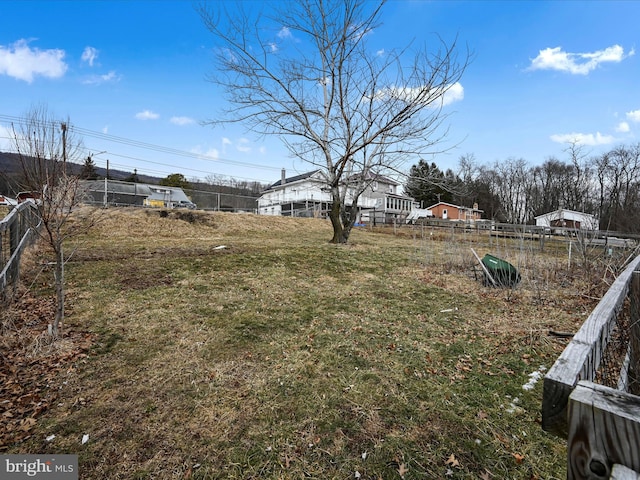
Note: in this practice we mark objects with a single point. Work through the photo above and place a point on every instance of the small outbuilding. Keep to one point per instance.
(448, 211)
(563, 218)
(418, 213)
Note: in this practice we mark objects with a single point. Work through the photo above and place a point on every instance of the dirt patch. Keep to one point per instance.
(134, 278)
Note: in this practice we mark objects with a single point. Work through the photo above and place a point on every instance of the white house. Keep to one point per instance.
(564, 218)
(308, 195)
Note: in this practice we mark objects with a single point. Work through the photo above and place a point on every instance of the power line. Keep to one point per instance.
(145, 146)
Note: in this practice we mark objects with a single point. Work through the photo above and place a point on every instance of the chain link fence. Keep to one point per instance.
(122, 194)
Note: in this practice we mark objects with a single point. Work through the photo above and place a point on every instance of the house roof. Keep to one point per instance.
(375, 177)
(294, 179)
(304, 176)
(562, 211)
(459, 207)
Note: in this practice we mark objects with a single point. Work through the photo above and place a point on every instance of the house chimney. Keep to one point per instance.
(475, 206)
(283, 178)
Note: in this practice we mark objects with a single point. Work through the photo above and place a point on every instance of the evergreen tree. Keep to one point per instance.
(133, 178)
(428, 185)
(89, 170)
(175, 180)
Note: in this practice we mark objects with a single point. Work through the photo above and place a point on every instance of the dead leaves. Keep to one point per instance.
(27, 374)
(518, 458)
(453, 461)
(486, 475)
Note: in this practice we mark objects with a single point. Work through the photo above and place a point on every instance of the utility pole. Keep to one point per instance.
(106, 184)
(63, 126)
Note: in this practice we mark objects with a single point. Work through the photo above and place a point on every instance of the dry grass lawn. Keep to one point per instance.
(240, 346)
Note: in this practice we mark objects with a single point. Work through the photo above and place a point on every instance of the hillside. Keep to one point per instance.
(10, 167)
(238, 194)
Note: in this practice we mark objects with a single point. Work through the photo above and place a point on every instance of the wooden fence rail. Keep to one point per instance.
(601, 424)
(17, 230)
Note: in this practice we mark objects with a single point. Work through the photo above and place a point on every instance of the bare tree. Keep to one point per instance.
(617, 173)
(577, 191)
(45, 146)
(307, 74)
(511, 188)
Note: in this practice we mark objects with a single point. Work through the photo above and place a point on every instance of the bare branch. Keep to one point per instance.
(306, 73)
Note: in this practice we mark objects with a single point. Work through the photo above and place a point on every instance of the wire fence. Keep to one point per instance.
(588, 261)
(119, 193)
(17, 230)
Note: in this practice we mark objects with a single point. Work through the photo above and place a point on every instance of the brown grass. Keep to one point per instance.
(282, 356)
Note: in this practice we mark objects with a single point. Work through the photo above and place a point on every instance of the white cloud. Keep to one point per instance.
(147, 115)
(577, 63)
(182, 121)
(212, 153)
(243, 145)
(225, 143)
(380, 52)
(452, 93)
(105, 129)
(634, 116)
(21, 61)
(359, 32)
(89, 55)
(583, 138)
(100, 79)
(622, 127)
(284, 33)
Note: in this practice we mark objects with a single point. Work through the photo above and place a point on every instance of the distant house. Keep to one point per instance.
(115, 192)
(564, 218)
(449, 211)
(308, 195)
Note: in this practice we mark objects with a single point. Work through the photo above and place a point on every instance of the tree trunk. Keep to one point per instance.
(59, 287)
(336, 223)
(342, 221)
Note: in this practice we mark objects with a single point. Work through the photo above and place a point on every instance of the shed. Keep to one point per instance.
(418, 213)
(563, 218)
(449, 211)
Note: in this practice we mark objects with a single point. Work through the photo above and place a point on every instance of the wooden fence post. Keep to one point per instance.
(604, 429)
(581, 359)
(633, 376)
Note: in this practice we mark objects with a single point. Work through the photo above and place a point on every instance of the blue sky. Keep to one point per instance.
(131, 73)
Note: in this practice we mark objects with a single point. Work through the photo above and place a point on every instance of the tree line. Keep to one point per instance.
(513, 191)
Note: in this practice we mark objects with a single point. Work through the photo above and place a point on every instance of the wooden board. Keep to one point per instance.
(581, 359)
(604, 429)
(620, 472)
